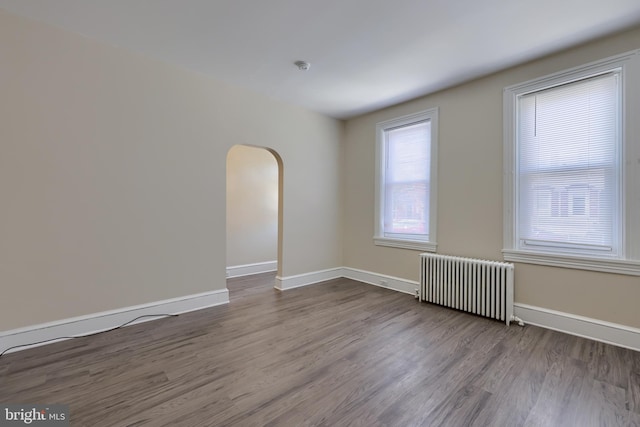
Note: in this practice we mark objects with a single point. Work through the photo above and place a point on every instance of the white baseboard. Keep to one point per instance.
(290, 282)
(598, 330)
(96, 322)
(611, 333)
(249, 269)
(381, 280)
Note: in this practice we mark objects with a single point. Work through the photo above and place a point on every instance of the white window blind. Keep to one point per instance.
(406, 181)
(568, 170)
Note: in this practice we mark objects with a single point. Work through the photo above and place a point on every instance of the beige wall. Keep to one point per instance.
(252, 206)
(112, 176)
(470, 192)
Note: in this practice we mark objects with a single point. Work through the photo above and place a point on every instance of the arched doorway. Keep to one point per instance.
(254, 211)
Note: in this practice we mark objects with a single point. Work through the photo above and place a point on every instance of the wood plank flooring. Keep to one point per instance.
(340, 353)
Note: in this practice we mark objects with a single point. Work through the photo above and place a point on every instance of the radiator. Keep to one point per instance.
(476, 286)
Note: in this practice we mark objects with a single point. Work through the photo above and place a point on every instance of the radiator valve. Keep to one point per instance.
(518, 320)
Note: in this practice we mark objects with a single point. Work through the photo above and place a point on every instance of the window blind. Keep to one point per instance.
(407, 172)
(568, 169)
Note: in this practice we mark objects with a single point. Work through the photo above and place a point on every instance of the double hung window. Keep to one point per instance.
(405, 181)
(570, 194)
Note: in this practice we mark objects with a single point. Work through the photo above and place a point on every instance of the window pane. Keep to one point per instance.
(408, 207)
(407, 171)
(568, 175)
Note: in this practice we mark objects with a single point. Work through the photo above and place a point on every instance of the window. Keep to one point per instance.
(571, 196)
(405, 181)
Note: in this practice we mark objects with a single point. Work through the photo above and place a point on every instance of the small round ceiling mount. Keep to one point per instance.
(302, 65)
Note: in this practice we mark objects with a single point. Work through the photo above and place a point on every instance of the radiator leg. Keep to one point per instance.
(515, 318)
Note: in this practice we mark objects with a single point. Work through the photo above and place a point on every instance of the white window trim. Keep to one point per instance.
(629, 261)
(379, 238)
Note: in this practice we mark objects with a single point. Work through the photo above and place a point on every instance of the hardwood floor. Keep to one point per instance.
(341, 353)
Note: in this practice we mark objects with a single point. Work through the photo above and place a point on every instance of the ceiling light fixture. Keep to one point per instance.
(302, 65)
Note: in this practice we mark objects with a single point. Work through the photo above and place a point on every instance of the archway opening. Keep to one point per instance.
(254, 211)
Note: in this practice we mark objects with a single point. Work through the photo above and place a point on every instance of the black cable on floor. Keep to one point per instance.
(89, 335)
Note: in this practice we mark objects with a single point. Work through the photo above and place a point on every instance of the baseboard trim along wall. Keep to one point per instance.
(96, 322)
(290, 282)
(586, 327)
(381, 280)
(249, 269)
(598, 330)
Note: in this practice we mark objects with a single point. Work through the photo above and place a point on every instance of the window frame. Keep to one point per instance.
(398, 241)
(627, 261)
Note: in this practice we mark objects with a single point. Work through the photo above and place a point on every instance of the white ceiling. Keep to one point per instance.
(365, 54)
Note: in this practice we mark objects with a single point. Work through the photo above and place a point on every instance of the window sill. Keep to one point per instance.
(416, 245)
(627, 267)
